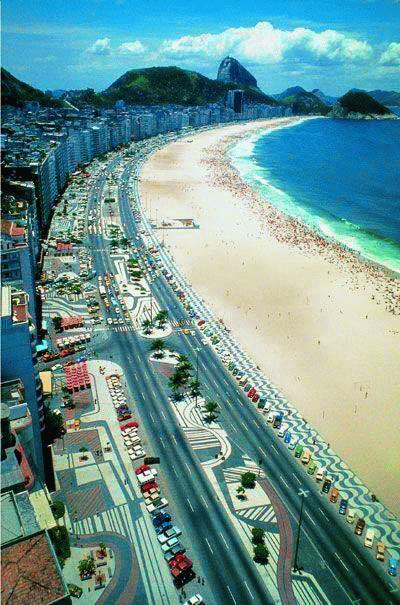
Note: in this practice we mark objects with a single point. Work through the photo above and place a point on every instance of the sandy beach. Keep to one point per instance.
(321, 324)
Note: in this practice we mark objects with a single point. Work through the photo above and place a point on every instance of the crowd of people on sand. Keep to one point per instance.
(385, 289)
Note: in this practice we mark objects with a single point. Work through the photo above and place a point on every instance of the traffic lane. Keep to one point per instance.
(180, 456)
(283, 465)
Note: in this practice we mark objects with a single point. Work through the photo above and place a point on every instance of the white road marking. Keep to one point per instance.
(252, 598)
(222, 536)
(204, 501)
(188, 468)
(230, 592)
(163, 414)
(311, 519)
(209, 546)
(339, 559)
(283, 480)
(295, 477)
(190, 505)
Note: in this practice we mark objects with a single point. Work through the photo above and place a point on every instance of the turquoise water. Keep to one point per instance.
(341, 178)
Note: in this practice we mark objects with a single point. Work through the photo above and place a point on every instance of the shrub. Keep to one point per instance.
(248, 479)
(60, 539)
(58, 509)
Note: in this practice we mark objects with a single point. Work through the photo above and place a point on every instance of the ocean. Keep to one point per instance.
(341, 178)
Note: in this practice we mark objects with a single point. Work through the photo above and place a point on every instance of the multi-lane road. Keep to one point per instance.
(326, 543)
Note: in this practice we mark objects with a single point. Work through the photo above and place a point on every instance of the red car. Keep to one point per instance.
(148, 486)
(132, 424)
(178, 559)
(141, 469)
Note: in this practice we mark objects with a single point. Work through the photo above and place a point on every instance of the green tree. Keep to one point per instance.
(258, 535)
(57, 323)
(161, 318)
(195, 388)
(158, 346)
(261, 554)
(241, 492)
(60, 540)
(147, 326)
(54, 425)
(58, 509)
(248, 479)
(87, 565)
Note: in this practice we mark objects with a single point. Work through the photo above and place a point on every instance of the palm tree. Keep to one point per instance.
(161, 318)
(147, 325)
(158, 346)
(195, 388)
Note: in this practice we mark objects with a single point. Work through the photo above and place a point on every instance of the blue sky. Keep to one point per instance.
(333, 45)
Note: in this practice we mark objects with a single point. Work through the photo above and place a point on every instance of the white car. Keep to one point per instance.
(109, 321)
(196, 599)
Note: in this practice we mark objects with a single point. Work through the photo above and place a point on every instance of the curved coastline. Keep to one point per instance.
(378, 250)
(293, 301)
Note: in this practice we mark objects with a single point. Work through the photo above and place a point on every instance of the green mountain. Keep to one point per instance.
(358, 103)
(301, 101)
(15, 92)
(172, 85)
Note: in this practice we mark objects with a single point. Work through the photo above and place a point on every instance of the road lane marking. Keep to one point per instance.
(162, 441)
(209, 546)
(190, 505)
(311, 519)
(262, 451)
(339, 559)
(175, 471)
(322, 513)
(151, 416)
(163, 414)
(274, 448)
(205, 503)
(230, 592)
(360, 562)
(244, 425)
(283, 480)
(295, 477)
(222, 536)
(252, 598)
(188, 468)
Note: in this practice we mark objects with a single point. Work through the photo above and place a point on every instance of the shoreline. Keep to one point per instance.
(295, 303)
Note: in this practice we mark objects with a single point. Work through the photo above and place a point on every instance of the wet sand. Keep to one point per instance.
(323, 325)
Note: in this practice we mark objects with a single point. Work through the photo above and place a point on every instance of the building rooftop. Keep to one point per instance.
(30, 573)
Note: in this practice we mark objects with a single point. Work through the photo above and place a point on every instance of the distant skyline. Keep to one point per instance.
(329, 45)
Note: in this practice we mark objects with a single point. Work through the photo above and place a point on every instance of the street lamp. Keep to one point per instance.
(197, 371)
(303, 493)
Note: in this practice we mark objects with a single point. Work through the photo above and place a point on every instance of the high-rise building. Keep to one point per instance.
(235, 100)
(18, 360)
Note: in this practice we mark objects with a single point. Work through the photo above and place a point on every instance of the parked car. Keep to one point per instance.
(334, 495)
(161, 518)
(163, 527)
(196, 599)
(351, 516)
(170, 544)
(359, 527)
(393, 563)
(343, 506)
(380, 551)
(312, 467)
(369, 538)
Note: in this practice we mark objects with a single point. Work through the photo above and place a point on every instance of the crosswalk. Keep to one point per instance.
(201, 439)
(263, 513)
(124, 328)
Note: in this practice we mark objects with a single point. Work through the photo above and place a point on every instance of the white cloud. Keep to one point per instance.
(101, 47)
(265, 44)
(391, 56)
(128, 48)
